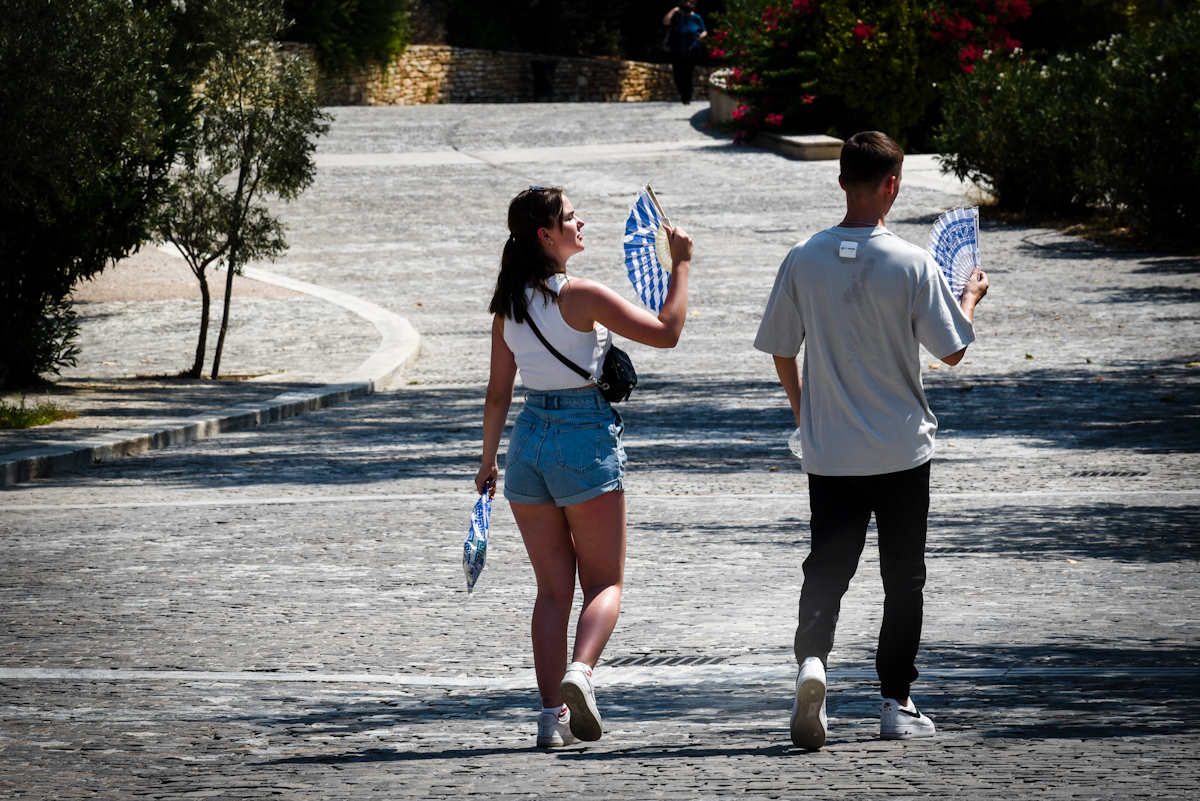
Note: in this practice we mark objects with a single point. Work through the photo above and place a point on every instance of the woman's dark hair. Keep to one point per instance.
(525, 261)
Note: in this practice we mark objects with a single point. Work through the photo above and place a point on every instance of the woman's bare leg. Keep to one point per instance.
(548, 540)
(598, 529)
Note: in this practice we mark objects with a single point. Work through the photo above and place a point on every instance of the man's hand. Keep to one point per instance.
(973, 292)
(976, 288)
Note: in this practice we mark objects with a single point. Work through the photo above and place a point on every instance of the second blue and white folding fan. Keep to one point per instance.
(954, 245)
(648, 250)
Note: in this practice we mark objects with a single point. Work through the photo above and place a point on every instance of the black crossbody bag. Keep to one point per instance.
(618, 378)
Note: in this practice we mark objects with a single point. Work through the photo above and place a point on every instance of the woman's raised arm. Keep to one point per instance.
(584, 303)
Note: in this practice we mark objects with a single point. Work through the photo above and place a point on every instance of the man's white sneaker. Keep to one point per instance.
(809, 725)
(554, 731)
(903, 722)
(580, 698)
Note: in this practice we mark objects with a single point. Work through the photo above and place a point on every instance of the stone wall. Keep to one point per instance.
(427, 74)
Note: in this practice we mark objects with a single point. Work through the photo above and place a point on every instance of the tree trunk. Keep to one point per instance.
(205, 306)
(241, 202)
(231, 267)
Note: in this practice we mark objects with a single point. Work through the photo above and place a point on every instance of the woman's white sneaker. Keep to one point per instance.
(809, 724)
(903, 722)
(554, 731)
(580, 698)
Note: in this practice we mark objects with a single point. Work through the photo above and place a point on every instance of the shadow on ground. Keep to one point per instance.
(708, 428)
(1115, 532)
(1055, 703)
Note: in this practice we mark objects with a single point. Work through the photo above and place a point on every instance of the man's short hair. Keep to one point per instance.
(868, 158)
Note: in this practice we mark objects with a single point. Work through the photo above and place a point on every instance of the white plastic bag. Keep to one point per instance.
(475, 547)
(794, 444)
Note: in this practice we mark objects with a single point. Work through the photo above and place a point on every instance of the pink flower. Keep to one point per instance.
(968, 68)
(717, 53)
(949, 27)
(1003, 42)
(1013, 10)
(740, 112)
(808, 99)
(970, 53)
(803, 6)
(863, 32)
(770, 19)
(774, 119)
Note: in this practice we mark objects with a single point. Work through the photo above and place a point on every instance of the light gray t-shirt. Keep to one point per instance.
(863, 410)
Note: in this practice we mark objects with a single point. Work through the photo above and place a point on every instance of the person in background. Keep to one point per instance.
(564, 476)
(860, 301)
(686, 29)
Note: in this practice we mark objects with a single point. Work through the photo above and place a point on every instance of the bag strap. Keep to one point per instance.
(557, 355)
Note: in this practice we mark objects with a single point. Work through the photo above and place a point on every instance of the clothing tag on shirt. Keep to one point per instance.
(848, 250)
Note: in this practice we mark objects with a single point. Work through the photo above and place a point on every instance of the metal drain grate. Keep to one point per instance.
(1108, 473)
(663, 661)
(952, 549)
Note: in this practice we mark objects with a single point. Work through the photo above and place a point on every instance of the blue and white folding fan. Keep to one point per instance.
(648, 251)
(954, 245)
(475, 546)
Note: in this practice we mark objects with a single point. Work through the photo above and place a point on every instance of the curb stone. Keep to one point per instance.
(399, 346)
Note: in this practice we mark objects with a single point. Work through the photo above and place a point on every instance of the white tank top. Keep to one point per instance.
(539, 369)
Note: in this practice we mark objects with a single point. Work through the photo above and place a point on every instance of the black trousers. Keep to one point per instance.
(841, 511)
(683, 68)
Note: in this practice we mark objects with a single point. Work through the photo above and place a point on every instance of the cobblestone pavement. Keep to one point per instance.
(1060, 650)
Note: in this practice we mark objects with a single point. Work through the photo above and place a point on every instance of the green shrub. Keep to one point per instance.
(810, 65)
(91, 110)
(1024, 131)
(1116, 127)
(350, 33)
(629, 29)
(1148, 131)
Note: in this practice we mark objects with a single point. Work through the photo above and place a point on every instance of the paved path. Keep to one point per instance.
(158, 608)
(138, 326)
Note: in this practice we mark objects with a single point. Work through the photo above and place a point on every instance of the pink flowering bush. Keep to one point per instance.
(847, 65)
(1114, 127)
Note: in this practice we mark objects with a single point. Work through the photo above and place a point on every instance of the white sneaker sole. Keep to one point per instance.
(808, 731)
(907, 735)
(585, 718)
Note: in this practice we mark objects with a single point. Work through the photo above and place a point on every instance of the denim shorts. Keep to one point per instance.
(565, 448)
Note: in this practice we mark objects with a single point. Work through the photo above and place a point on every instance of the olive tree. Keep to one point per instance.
(92, 111)
(254, 140)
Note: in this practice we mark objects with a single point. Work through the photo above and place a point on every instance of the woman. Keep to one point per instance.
(564, 476)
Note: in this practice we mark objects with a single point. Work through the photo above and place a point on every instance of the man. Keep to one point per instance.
(685, 31)
(861, 300)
